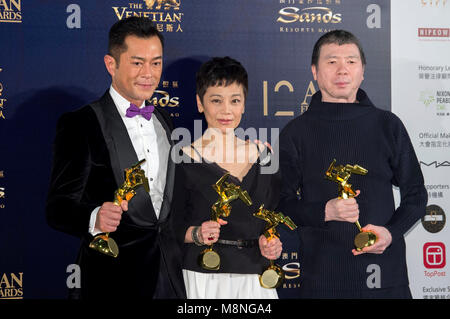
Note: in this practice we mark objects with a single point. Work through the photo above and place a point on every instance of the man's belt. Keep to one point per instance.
(240, 243)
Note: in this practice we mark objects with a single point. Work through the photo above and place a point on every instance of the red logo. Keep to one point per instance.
(434, 32)
(434, 255)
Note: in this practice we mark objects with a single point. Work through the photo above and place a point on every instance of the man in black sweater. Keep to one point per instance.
(343, 124)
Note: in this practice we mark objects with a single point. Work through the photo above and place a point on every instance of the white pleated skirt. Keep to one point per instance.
(225, 286)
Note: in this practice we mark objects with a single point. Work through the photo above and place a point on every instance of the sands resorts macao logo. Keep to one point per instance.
(164, 97)
(165, 14)
(11, 285)
(11, 11)
(308, 15)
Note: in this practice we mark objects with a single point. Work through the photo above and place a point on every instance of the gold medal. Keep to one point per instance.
(272, 277)
(209, 259)
(364, 238)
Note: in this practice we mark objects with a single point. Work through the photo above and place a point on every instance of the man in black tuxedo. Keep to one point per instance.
(93, 147)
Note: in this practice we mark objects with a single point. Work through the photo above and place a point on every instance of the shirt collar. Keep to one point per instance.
(121, 103)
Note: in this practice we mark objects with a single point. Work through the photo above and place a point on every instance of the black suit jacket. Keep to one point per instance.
(91, 151)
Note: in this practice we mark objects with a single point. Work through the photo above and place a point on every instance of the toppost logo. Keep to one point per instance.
(11, 286)
(164, 13)
(434, 220)
(434, 255)
(11, 11)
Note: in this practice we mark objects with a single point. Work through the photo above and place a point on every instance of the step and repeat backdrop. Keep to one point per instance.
(420, 70)
(51, 62)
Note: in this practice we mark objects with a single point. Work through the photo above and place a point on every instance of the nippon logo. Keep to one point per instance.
(434, 255)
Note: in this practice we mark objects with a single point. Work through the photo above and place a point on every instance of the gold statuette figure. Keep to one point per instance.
(273, 276)
(134, 177)
(209, 258)
(341, 174)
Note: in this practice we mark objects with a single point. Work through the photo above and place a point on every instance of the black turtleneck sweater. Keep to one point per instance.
(352, 133)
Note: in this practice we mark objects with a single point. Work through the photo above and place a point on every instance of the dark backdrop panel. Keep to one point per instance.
(51, 62)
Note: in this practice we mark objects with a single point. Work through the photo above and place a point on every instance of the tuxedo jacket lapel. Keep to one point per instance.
(122, 155)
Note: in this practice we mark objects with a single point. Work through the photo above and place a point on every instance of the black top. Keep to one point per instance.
(352, 133)
(194, 196)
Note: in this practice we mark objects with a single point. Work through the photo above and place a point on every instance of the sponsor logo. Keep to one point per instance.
(291, 269)
(436, 164)
(434, 255)
(165, 14)
(308, 16)
(434, 32)
(438, 101)
(164, 97)
(433, 3)
(434, 220)
(11, 11)
(11, 286)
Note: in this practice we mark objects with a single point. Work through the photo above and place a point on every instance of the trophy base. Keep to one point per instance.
(209, 259)
(272, 277)
(105, 245)
(364, 239)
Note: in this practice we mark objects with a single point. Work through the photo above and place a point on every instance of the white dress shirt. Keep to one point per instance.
(150, 142)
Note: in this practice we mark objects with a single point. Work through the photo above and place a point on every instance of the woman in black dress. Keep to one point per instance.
(244, 251)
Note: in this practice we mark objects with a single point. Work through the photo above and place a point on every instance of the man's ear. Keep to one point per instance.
(110, 64)
(199, 104)
(314, 72)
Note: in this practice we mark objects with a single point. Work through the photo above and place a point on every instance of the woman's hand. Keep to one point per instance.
(209, 231)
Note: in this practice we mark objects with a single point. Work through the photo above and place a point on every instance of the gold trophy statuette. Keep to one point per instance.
(209, 259)
(340, 174)
(273, 276)
(134, 177)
